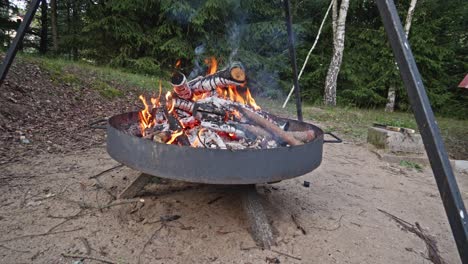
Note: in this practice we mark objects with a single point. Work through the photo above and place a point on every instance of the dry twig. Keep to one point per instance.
(106, 171)
(298, 224)
(40, 234)
(285, 254)
(15, 250)
(149, 241)
(86, 244)
(431, 243)
(88, 257)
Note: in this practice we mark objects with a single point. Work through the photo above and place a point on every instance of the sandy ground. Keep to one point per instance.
(50, 209)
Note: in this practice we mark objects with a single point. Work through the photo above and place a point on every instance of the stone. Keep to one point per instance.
(396, 142)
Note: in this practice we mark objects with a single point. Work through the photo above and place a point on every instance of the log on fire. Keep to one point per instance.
(269, 126)
(232, 75)
(180, 85)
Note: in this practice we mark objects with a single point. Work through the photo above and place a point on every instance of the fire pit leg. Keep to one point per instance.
(260, 228)
(135, 186)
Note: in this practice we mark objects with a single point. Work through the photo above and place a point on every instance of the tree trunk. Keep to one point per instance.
(69, 26)
(53, 18)
(338, 47)
(43, 42)
(409, 16)
(334, 20)
(390, 106)
(75, 22)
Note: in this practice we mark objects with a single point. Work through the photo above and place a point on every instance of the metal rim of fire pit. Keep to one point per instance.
(212, 166)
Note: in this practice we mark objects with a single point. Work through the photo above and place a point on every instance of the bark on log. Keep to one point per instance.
(303, 136)
(185, 105)
(269, 126)
(174, 124)
(255, 130)
(226, 128)
(233, 75)
(180, 86)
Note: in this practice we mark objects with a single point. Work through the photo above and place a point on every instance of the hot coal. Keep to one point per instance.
(214, 111)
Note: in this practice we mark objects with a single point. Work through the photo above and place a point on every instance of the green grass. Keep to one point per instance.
(411, 165)
(81, 72)
(106, 90)
(352, 123)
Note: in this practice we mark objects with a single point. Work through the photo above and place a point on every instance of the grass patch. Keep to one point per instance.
(106, 90)
(66, 71)
(411, 165)
(352, 123)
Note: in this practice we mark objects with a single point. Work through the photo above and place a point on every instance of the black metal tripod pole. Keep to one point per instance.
(292, 55)
(433, 143)
(11, 53)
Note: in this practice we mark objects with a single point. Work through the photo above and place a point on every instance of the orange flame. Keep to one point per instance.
(232, 94)
(178, 63)
(174, 136)
(146, 120)
(251, 100)
(213, 65)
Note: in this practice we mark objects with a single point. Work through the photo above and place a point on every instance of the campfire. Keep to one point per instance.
(213, 111)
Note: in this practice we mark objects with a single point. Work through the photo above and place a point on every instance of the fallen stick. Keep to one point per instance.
(431, 243)
(285, 254)
(86, 244)
(41, 234)
(298, 225)
(105, 171)
(269, 126)
(87, 257)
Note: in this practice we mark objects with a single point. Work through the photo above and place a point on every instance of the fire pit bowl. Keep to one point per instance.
(212, 166)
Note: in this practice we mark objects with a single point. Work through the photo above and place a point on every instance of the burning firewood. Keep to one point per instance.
(226, 128)
(269, 126)
(214, 111)
(180, 85)
(232, 75)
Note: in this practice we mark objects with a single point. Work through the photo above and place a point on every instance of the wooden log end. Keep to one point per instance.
(238, 74)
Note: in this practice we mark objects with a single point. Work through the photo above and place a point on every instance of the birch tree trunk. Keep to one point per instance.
(53, 18)
(338, 47)
(390, 106)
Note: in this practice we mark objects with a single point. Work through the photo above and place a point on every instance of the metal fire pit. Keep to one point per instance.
(212, 166)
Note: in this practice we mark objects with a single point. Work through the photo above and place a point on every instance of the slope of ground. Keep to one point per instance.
(46, 107)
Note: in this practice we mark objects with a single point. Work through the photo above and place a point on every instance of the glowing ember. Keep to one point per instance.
(178, 63)
(175, 136)
(197, 112)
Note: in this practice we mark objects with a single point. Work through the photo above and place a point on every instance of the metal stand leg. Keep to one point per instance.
(11, 53)
(292, 55)
(259, 226)
(135, 186)
(430, 133)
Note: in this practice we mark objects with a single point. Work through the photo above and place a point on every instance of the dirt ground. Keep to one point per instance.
(51, 210)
